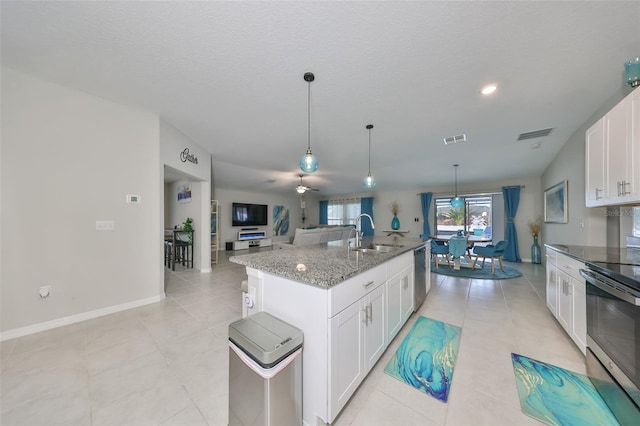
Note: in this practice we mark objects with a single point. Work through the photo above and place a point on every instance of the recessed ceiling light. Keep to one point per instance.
(489, 89)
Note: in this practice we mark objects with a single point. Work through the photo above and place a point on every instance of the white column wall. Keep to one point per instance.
(68, 160)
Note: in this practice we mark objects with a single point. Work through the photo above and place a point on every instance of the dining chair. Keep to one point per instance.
(439, 248)
(492, 252)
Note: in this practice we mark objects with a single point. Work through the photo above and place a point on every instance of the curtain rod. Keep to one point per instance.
(487, 192)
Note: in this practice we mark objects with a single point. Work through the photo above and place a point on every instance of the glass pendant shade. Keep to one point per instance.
(632, 72)
(369, 181)
(457, 202)
(308, 162)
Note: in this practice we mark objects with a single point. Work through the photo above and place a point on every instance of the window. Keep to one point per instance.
(343, 212)
(474, 217)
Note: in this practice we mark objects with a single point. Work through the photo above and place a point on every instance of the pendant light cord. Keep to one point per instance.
(309, 117)
(369, 151)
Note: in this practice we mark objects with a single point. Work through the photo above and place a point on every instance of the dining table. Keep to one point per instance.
(460, 248)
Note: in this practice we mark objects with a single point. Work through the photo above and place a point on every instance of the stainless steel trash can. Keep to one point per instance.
(265, 372)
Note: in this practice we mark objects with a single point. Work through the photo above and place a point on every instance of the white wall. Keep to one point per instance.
(173, 147)
(586, 226)
(530, 207)
(228, 196)
(68, 160)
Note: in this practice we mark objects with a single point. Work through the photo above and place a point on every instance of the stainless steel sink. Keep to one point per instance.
(375, 248)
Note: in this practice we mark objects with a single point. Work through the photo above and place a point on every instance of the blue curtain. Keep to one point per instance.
(511, 196)
(324, 206)
(425, 200)
(366, 206)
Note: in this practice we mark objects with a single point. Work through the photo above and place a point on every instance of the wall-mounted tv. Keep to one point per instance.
(243, 214)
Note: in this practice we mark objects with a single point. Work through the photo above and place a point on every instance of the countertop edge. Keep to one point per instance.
(328, 264)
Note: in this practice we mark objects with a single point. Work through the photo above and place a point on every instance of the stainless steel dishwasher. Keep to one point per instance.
(419, 276)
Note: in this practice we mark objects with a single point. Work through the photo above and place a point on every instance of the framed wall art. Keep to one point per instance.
(555, 203)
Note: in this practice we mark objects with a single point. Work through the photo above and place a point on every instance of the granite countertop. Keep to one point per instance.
(599, 254)
(325, 265)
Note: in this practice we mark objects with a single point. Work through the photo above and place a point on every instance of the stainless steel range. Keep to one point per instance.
(613, 331)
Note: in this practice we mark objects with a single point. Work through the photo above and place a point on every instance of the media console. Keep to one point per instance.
(251, 238)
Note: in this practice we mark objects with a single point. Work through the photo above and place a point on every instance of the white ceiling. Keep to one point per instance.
(229, 75)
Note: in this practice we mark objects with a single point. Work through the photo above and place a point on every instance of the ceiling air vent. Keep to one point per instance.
(455, 139)
(535, 134)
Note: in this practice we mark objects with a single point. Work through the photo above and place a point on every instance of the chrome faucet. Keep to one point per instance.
(358, 234)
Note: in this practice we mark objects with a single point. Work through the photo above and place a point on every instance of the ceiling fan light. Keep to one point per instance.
(301, 189)
(369, 181)
(308, 162)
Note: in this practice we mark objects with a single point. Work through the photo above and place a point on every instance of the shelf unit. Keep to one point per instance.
(215, 230)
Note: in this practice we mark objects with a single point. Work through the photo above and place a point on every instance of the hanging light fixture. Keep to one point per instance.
(309, 162)
(457, 201)
(632, 72)
(369, 181)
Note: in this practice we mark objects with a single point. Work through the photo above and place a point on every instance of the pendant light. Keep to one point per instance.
(309, 162)
(457, 201)
(369, 181)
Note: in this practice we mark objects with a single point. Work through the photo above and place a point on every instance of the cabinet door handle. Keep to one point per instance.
(618, 187)
(365, 285)
(370, 312)
(624, 187)
(365, 320)
(597, 191)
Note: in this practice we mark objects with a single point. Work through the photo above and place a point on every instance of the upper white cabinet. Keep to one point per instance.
(596, 165)
(612, 155)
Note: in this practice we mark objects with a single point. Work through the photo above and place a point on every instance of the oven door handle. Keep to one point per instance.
(590, 277)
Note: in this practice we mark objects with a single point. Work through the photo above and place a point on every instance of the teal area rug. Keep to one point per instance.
(556, 396)
(478, 274)
(426, 357)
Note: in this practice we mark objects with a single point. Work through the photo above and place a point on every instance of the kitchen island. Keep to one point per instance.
(349, 304)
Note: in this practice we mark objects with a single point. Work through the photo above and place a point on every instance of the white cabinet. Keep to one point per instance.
(345, 327)
(347, 355)
(552, 288)
(357, 341)
(596, 165)
(566, 295)
(612, 156)
(579, 307)
(246, 244)
(399, 301)
(564, 313)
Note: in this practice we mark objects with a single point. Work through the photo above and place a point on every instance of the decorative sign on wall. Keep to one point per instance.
(280, 220)
(184, 193)
(186, 156)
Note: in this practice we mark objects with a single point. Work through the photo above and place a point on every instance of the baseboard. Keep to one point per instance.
(48, 325)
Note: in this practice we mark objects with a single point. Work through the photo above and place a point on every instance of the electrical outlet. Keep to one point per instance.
(44, 291)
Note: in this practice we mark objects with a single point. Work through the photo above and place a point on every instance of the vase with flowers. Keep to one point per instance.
(535, 226)
(395, 222)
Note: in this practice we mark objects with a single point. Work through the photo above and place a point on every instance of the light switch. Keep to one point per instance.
(133, 199)
(105, 225)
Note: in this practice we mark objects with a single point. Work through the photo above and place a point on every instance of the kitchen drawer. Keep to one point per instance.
(396, 265)
(350, 291)
(570, 265)
(551, 255)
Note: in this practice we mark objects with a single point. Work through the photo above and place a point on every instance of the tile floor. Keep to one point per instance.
(166, 363)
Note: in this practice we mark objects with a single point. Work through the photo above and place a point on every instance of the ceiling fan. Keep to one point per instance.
(301, 189)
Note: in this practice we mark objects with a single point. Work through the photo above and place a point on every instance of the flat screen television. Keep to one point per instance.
(243, 214)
